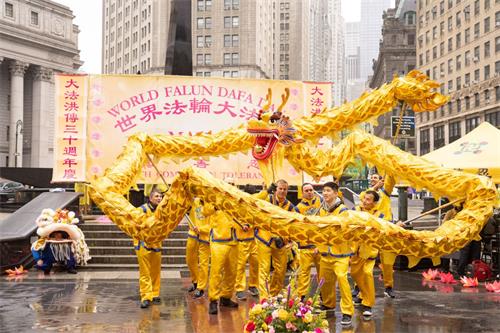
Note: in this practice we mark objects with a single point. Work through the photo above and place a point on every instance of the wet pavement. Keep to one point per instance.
(108, 302)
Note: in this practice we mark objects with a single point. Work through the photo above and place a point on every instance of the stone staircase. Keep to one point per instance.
(111, 248)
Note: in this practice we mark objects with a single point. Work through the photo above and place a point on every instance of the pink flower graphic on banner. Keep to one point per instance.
(97, 87)
(96, 153)
(97, 102)
(294, 106)
(96, 119)
(294, 91)
(95, 169)
(96, 136)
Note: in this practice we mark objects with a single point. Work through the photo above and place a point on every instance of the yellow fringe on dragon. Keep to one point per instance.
(274, 133)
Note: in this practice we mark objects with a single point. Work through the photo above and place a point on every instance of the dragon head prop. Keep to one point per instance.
(271, 129)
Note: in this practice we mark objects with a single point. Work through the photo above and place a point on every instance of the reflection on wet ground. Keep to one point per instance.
(37, 303)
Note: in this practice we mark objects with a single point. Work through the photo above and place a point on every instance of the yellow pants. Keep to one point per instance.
(247, 251)
(279, 258)
(387, 271)
(307, 259)
(334, 270)
(197, 258)
(149, 273)
(224, 258)
(362, 274)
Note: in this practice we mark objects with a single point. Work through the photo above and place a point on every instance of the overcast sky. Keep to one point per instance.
(89, 19)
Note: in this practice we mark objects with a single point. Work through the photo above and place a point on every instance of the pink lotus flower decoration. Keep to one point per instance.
(431, 274)
(468, 282)
(447, 278)
(493, 287)
(17, 271)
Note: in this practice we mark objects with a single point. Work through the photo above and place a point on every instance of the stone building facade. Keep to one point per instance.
(37, 40)
(458, 45)
(397, 56)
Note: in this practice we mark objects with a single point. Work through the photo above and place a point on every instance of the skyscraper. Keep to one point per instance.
(326, 57)
(370, 33)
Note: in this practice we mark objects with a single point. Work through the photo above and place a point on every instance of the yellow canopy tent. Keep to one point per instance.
(477, 152)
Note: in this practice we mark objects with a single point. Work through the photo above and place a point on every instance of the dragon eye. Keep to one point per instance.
(272, 120)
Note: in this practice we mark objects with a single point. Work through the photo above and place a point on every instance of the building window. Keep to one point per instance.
(497, 44)
(486, 72)
(458, 40)
(497, 19)
(450, 44)
(226, 74)
(236, 40)
(476, 76)
(227, 58)
(199, 41)
(227, 40)
(424, 142)
(454, 131)
(459, 105)
(208, 23)
(476, 54)
(487, 95)
(476, 7)
(477, 30)
(467, 79)
(199, 59)
(458, 21)
(208, 59)
(208, 41)
(467, 102)
(493, 118)
(497, 93)
(199, 73)
(438, 136)
(34, 18)
(235, 74)
(487, 49)
(486, 25)
(467, 58)
(458, 62)
(467, 36)
(9, 9)
(207, 74)
(467, 13)
(471, 123)
(459, 83)
(227, 21)
(201, 7)
(236, 21)
(235, 58)
(208, 4)
(236, 4)
(497, 67)
(476, 100)
(227, 4)
(200, 23)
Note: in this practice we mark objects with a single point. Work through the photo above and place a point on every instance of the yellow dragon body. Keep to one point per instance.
(267, 137)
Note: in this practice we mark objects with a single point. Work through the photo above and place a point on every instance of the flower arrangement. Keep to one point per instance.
(447, 278)
(493, 287)
(288, 314)
(431, 274)
(468, 282)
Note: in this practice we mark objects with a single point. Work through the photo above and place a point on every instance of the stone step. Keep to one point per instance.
(128, 250)
(118, 234)
(92, 266)
(132, 259)
(92, 226)
(127, 242)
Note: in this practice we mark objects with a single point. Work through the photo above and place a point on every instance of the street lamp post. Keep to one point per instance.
(19, 130)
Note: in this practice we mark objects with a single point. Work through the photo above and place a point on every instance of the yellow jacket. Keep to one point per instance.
(199, 220)
(363, 250)
(339, 249)
(309, 207)
(222, 226)
(155, 247)
(245, 236)
(263, 235)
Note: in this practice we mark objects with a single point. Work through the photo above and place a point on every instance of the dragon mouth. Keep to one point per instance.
(265, 142)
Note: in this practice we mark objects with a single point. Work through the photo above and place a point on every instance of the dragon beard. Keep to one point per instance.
(61, 251)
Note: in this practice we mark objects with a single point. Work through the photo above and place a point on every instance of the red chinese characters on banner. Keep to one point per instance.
(317, 101)
(71, 132)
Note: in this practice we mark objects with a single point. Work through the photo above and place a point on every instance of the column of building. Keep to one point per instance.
(17, 71)
(42, 80)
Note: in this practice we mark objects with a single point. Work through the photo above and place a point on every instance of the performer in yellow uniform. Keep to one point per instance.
(384, 189)
(335, 260)
(224, 256)
(273, 247)
(149, 259)
(247, 251)
(308, 253)
(198, 249)
(363, 261)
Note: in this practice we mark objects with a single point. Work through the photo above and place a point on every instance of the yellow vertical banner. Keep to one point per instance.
(70, 128)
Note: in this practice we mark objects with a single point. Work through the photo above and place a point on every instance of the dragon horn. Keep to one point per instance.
(269, 99)
(284, 98)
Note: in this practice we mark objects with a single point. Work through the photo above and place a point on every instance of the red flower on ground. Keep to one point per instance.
(268, 319)
(262, 301)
